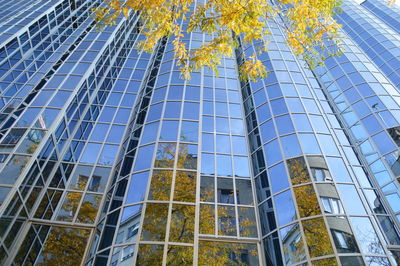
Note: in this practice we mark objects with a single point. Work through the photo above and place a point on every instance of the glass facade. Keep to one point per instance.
(109, 157)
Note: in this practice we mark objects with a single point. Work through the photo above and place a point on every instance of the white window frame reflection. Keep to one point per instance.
(332, 205)
(321, 174)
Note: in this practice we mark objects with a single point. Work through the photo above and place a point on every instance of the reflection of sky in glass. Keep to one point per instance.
(285, 208)
(91, 152)
(137, 187)
(144, 157)
(131, 211)
(351, 199)
(224, 165)
(338, 169)
(207, 165)
(278, 177)
(241, 166)
(366, 235)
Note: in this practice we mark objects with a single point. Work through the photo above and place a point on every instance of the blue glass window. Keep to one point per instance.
(272, 152)
(208, 123)
(309, 143)
(222, 125)
(137, 188)
(207, 163)
(328, 145)
(291, 146)
(91, 152)
(169, 130)
(236, 126)
(295, 105)
(172, 110)
(384, 142)
(285, 208)
(223, 144)
(279, 106)
(107, 114)
(144, 157)
(301, 122)
(108, 155)
(267, 131)
(284, 124)
(241, 166)
(189, 131)
(150, 132)
(221, 109)
(191, 111)
(154, 112)
(224, 165)
(366, 235)
(115, 134)
(208, 108)
(263, 112)
(192, 93)
(319, 123)
(175, 92)
(278, 177)
(239, 145)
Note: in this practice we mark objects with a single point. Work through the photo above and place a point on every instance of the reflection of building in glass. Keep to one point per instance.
(107, 150)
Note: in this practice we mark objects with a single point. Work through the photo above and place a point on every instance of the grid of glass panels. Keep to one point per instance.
(183, 188)
(17, 15)
(69, 136)
(388, 14)
(369, 107)
(376, 39)
(14, 213)
(175, 206)
(360, 95)
(37, 118)
(29, 60)
(304, 176)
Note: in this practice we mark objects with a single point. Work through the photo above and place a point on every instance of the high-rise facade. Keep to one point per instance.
(108, 157)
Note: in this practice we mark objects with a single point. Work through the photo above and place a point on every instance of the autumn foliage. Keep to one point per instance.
(311, 28)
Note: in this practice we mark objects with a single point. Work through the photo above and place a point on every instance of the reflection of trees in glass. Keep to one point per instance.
(185, 186)
(160, 187)
(207, 219)
(316, 234)
(317, 237)
(155, 221)
(180, 255)
(325, 262)
(181, 228)
(89, 207)
(223, 253)
(187, 156)
(165, 155)
(306, 198)
(307, 201)
(298, 171)
(70, 206)
(182, 223)
(150, 255)
(64, 246)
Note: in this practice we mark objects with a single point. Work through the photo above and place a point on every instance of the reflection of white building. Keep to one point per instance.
(127, 233)
(290, 243)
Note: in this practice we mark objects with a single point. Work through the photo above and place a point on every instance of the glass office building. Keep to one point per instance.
(108, 157)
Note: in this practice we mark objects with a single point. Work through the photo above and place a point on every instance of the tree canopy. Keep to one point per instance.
(309, 24)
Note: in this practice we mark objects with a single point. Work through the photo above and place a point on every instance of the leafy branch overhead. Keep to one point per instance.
(311, 28)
